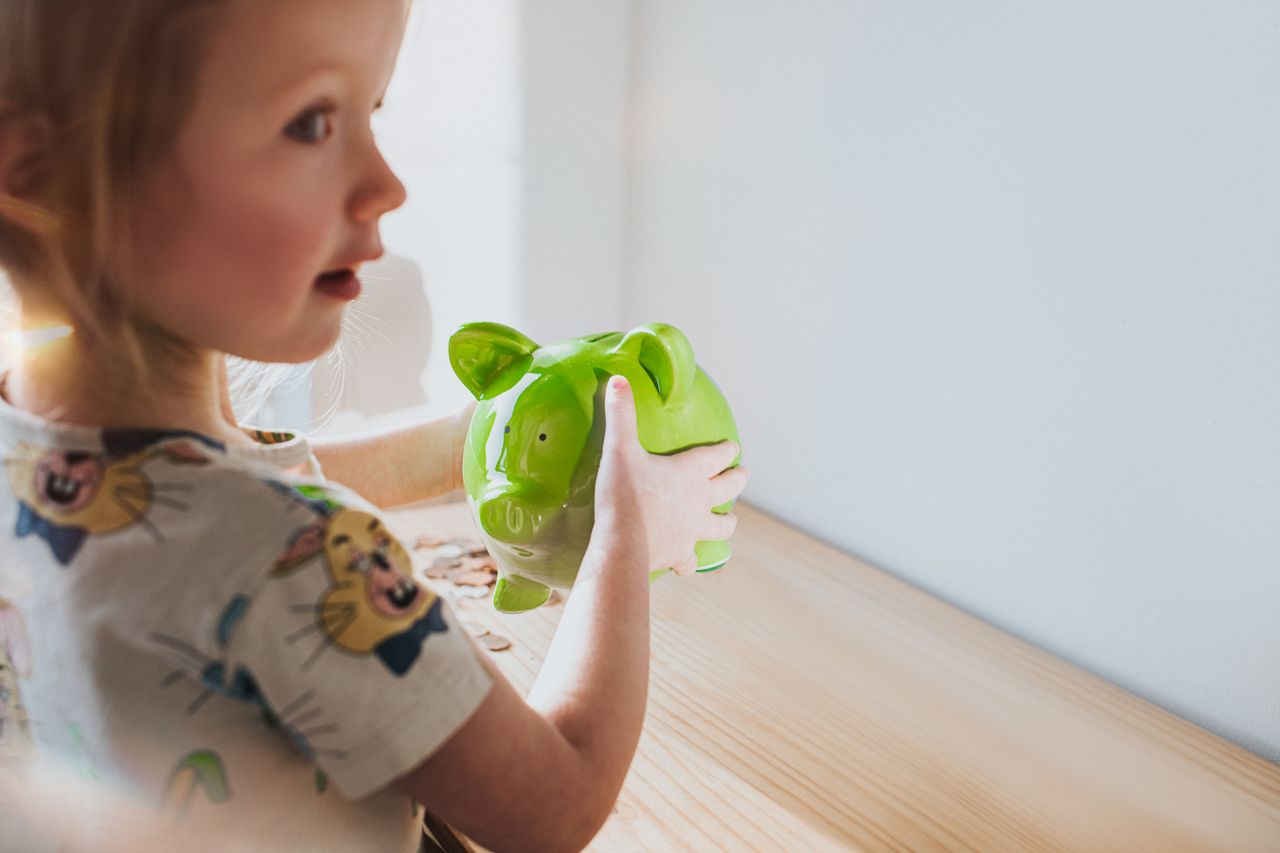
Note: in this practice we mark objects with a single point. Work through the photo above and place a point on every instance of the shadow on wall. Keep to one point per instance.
(381, 358)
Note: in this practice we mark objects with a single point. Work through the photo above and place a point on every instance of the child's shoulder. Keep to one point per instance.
(178, 493)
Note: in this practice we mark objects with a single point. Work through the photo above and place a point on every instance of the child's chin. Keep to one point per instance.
(297, 350)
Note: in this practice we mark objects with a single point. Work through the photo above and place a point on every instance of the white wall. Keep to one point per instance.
(994, 290)
(505, 120)
(574, 95)
(451, 127)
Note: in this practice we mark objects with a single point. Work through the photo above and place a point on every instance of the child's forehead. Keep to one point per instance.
(270, 48)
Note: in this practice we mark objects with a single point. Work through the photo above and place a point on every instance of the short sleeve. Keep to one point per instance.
(367, 671)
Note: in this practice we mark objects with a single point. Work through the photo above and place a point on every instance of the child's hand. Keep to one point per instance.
(664, 500)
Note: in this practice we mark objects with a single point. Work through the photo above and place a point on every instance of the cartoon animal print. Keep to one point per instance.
(16, 748)
(300, 720)
(65, 496)
(373, 606)
(198, 771)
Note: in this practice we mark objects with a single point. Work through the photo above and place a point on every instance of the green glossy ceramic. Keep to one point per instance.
(531, 454)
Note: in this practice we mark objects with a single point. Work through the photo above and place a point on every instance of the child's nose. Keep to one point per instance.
(380, 192)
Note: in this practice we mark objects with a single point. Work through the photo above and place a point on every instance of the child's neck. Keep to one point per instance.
(67, 381)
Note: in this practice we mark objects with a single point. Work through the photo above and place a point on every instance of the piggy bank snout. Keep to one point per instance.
(512, 519)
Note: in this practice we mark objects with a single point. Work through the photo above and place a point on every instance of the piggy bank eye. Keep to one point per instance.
(542, 437)
(506, 430)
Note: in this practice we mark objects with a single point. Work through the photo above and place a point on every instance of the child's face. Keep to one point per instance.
(275, 178)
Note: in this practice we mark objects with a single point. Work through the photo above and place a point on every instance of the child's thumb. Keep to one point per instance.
(620, 414)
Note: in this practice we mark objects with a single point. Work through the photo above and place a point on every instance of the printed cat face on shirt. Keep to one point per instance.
(66, 496)
(373, 605)
(78, 489)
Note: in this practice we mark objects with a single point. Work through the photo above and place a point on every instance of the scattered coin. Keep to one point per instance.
(475, 629)
(555, 597)
(472, 578)
(495, 642)
(425, 541)
(477, 549)
(450, 550)
(441, 567)
(469, 591)
(484, 564)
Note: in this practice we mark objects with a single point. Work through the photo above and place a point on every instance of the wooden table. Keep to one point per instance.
(802, 700)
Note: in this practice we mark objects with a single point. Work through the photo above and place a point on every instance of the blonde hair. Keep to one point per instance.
(115, 80)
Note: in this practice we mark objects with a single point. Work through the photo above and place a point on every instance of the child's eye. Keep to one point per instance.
(311, 127)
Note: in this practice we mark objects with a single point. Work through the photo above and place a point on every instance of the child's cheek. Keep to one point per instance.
(241, 244)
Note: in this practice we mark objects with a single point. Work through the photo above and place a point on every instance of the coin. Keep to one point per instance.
(442, 566)
(485, 564)
(426, 541)
(555, 597)
(475, 629)
(450, 549)
(495, 642)
(472, 578)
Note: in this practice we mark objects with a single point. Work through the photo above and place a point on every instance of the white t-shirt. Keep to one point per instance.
(214, 630)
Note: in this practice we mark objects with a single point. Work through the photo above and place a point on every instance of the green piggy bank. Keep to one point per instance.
(532, 451)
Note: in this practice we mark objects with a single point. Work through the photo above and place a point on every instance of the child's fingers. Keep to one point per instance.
(620, 416)
(688, 567)
(713, 458)
(727, 486)
(719, 526)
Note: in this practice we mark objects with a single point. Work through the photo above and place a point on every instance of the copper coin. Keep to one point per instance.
(443, 568)
(495, 642)
(475, 629)
(427, 542)
(472, 578)
(484, 564)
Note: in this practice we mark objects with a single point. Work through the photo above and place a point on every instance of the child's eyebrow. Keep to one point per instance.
(314, 71)
(330, 66)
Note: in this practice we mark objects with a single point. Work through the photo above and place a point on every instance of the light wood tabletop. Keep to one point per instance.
(801, 699)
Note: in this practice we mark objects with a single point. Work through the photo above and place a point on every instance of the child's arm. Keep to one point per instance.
(400, 465)
(543, 773)
(391, 467)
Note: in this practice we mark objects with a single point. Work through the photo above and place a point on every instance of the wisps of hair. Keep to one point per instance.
(114, 82)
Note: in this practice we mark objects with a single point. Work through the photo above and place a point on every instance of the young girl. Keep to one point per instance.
(193, 615)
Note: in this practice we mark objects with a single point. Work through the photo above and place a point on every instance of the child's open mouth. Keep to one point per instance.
(340, 284)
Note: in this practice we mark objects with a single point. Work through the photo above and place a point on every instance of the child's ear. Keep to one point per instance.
(489, 357)
(24, 168)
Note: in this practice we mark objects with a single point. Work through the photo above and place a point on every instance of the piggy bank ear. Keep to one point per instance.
(665, 354)
(489, 357)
